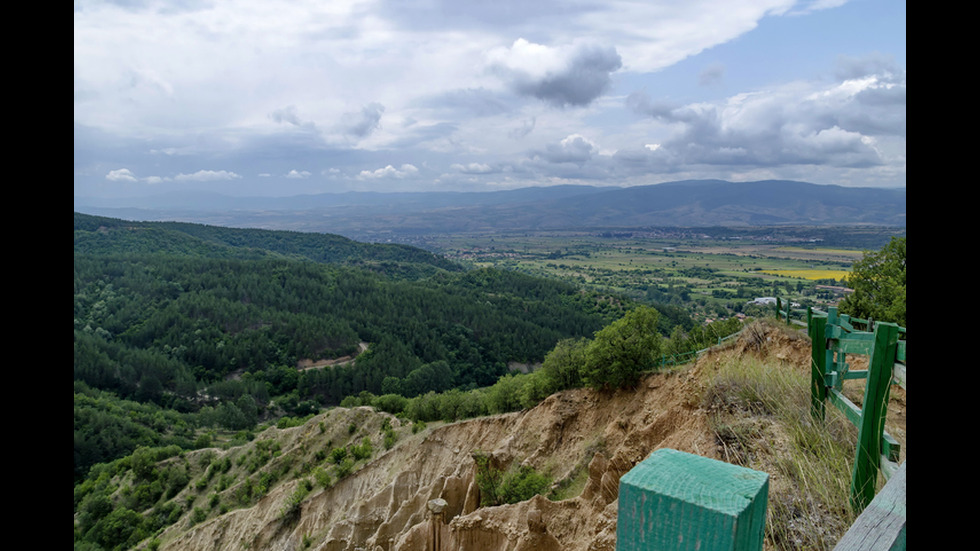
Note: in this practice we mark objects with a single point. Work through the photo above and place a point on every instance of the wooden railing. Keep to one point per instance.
(662, 516)
(834, 336)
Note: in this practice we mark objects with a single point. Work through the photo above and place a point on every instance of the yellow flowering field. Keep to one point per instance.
(809, 274)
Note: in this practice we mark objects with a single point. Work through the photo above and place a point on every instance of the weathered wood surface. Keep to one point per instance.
(881, 527)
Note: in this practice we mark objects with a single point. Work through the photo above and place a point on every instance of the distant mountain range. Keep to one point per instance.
(685, 203)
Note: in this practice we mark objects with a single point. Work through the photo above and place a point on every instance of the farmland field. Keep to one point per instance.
(713, 276)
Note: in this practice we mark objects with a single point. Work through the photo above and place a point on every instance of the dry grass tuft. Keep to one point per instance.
(760, 415)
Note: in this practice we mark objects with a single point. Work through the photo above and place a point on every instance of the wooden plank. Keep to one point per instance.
(857, 343)
(899, 375)
(888, 467)
(849, 408)
(891, 448)
(881, 527)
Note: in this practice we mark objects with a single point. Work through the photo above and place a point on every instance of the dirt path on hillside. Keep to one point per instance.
(303, 365)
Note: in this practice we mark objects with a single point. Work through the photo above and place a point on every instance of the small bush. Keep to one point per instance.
(287, 422)
(203, 441)
(344, 468)
(293, 505)
(363, 451)
(337, 455)
(322, 477)
(198, 516)
(523, 484)
(266, 480)
(498, 487)
(488, 478)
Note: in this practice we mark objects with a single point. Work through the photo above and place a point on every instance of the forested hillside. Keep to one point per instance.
(100, 235)
(180, 326)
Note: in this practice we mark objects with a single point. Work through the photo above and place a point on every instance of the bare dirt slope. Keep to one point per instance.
(383, 506)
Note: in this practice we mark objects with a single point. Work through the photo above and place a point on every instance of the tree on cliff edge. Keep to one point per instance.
(624, 349)
(878, 281)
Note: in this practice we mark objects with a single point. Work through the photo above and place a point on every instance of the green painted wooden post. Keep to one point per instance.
(676, 501)
(868, 458)
(818, 365)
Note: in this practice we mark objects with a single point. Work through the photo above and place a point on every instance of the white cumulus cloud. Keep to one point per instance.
(388, 172)
(120, 175)
(207, 176)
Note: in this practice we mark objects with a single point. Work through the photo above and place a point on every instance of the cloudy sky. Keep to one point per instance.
(259, 97)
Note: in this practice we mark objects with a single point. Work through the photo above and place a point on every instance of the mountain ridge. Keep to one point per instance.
(686, 203)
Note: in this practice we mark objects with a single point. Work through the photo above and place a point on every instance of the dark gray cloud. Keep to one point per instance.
(573, 149)
(880, 112)
(286, 115)
(800, 124)
(879, 108)
(364, 122)
(642, 104)
(580, 78)
(290, 115)
(712, 74)
(849, 68)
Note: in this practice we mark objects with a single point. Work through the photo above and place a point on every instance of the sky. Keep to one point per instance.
(291, 97)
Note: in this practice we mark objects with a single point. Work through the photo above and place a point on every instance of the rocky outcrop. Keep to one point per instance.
(388, 504)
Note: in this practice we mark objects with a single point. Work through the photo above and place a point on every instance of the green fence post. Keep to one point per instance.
(818, 365)
(868, 459)
(676, 501)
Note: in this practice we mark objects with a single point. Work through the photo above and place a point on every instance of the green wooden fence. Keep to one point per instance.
(834, 336)
(674, 501)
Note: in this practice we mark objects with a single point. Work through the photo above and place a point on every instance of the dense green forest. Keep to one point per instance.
(101, 235)
(208, 326)
(189, 337)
